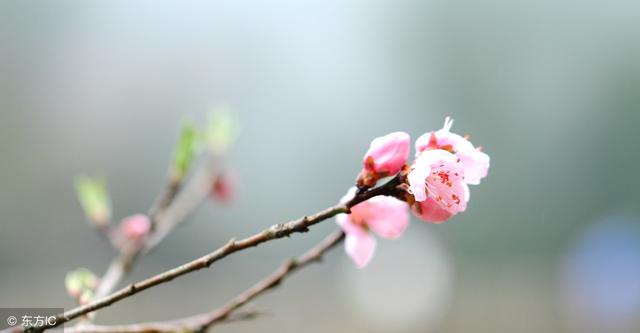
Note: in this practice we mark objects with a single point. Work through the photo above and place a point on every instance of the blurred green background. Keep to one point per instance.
(550, 89)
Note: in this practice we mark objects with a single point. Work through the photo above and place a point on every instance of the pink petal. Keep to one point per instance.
(346, 224)
(417, 178)
(387, 154)
(430, 211)
(388, 217)
(360, 246)
(425, 141)
(476, 165)
(442, 139)
(359, 243)
(359, 212)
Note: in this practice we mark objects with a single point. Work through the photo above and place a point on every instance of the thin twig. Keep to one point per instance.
(188, 200)
(274, 232)
(168, 210)
(271, 281)
(226, 313)
(180, 325)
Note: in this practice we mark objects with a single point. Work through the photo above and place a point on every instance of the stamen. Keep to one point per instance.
(448, 122)
(456, 199)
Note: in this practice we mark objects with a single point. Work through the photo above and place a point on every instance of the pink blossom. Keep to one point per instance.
(474, 161)
(386, 156)
(436, 181)
(385, 216)
(135, 227)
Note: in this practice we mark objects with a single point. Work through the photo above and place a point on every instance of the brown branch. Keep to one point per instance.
(180, 325)
(226, 313)
(274, 232)
(273, 280)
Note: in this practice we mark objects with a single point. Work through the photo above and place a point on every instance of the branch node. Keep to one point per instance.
(230, 244)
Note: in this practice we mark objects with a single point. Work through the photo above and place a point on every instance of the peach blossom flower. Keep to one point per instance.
(385, 216)
(474, 161)
(437, 184)
(446, 163)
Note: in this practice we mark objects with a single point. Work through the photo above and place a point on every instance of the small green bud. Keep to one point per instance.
(80, 282)
(94, 198)
(188, 144)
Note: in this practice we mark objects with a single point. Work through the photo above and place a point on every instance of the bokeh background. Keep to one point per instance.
(550, 241)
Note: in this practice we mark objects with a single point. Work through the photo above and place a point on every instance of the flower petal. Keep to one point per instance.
(417, 178)
(388, 216)
(447, 187)
(430, 211)
(387, 154)
(360, 246)
(346, 224)
(476, 165)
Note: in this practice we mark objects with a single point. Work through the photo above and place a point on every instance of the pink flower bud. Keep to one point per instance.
(224, 187)
(135, 227)
(386, 157)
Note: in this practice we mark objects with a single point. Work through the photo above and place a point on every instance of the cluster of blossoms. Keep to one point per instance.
(436, 186)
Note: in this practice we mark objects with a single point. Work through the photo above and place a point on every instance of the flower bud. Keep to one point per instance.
(94, 198)
(386, 157)
(80, 282)
(135, 227)
(185, 151)
(224, 186)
